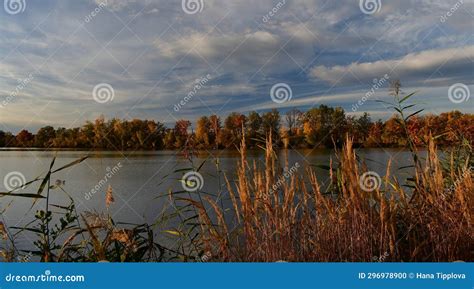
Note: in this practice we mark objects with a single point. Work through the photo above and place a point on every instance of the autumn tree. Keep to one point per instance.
(231, 134)
(24, 138)
(374, 138)
(214, 130)
(181, 133)
(322, 126)
(203, 128)
(393, 134)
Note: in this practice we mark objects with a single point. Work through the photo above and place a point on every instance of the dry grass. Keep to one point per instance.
(300, 223)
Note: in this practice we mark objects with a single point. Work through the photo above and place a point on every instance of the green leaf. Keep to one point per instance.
(35, 196)
(323, 167)
(28, 229)
(408, 96)
(175, 233)
(184, 170)
(413, 114)
(408, 106)
(78, 161)
(406, 167)
(200, 166)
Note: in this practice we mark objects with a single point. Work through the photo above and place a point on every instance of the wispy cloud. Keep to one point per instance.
(151, 52)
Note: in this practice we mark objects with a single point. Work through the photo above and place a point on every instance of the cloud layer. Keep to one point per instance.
(152, 53)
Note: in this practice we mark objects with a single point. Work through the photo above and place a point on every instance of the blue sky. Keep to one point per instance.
(151, 52)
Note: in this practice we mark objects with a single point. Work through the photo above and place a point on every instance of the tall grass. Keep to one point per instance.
(302, 223)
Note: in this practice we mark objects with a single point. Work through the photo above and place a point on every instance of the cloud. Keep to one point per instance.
(242, 53)
(447, 65)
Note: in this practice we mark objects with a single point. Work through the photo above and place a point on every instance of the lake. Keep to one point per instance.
(139, 178)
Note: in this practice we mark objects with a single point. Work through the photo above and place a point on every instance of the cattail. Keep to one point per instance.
(125, 237)
(3, 231)
(109, 197)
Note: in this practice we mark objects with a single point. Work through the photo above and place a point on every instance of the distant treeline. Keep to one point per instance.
(319, 127)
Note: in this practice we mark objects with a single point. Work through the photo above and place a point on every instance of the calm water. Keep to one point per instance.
(139, 178)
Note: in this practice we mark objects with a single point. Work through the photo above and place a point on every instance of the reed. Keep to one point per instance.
(301, 223)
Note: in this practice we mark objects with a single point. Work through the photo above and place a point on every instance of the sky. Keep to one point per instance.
(67, 61)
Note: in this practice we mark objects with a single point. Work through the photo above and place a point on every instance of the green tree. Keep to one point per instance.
(44, 137)
(254, 128)
(271, 124)
(2, 138)
(325, 126)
